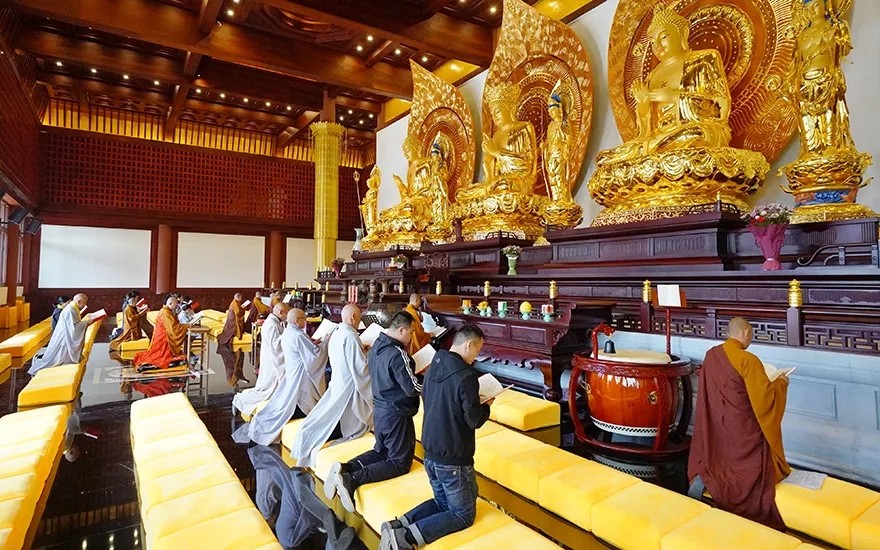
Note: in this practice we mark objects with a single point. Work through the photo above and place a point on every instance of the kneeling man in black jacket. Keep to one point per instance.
(396, 392)
(453, 412)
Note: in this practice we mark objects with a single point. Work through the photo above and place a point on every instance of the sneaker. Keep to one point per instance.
(390, 526)
(330, 480)
(395, 540)
(345, 491)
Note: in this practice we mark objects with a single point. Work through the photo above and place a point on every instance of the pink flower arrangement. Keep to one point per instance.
(768, 214)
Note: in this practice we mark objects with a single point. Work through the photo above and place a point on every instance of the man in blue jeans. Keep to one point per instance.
(453, 413)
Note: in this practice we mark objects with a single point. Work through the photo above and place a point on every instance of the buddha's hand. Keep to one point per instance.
(639, 91)
(489, 145)
(663, 95)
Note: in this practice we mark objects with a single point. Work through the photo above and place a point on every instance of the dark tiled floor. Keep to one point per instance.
(93, 502)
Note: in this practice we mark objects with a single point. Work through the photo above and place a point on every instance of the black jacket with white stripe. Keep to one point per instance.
(396, 388)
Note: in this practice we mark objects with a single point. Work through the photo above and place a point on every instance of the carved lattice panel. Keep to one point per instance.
(850, 338)
(682, 325)
(766, 331)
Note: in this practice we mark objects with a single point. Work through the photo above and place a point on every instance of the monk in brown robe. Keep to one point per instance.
(737, 445)
(277, 298)
(166, 346)
(234, 322)
(256, 310)
(131, 325)
(420, 338)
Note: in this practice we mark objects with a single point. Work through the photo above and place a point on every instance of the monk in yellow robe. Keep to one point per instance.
(131, 325)
(736, 449)
(420, 338)
(234, 326)
(256, 310)
(166, 346)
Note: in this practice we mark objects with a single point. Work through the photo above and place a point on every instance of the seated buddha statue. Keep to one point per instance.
(415, 192)
(685, 101)
(510, 155)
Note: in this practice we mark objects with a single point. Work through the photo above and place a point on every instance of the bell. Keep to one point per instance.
(609, 347)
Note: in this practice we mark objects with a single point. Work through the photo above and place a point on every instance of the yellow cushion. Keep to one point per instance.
(386, 500)
(498, 445)
(139, 422)
(244, 528)
(525, 412)
(168, 426)
(59, 384)
(510, 537)
(488, 519)
(172, 445)
(341, 452)
(6, 538)
(25, 448)
(19, 486)
(826, 514)
(27, 464)
(723, 531)
(289, 431)
(489, 428)
(5, 361)
(259, 407)
(177, 484)
(642, 514)
(572, 492)
(191, 458)
(42, 424)
(866, 529)
(15, 514)
(159, 405)
(26, 340)
(186, 508)
(522, 472)
(135, 345)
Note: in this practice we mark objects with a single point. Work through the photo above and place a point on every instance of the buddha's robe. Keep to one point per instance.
(737, 442)
(348, 401)
(420, 338)
(167, 343)
(271, 369)
(131, 328)
(302, 386)
(66, 344)
(234, 324)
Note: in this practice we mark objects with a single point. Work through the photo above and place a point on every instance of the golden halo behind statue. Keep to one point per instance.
(755, 43)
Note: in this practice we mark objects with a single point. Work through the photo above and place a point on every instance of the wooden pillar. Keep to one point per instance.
(328, 152)
(164, 249)
(13, 242)
(277, 258)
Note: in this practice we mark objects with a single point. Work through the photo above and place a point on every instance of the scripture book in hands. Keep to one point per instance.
(773, 373)
(423, 358)
(368, 337)
(324, 329)
(490, 387)
(100, 314)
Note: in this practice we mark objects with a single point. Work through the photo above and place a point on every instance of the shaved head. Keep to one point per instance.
(296, 317)
(351, 315)
(280, 310)
(237, 296)
(80, 300)
(415, 299)
(740, 330)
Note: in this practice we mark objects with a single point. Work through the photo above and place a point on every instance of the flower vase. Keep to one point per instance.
(358, 238)
(511, 264)
(769, 239)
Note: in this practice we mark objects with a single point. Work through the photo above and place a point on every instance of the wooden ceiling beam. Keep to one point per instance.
(177, 28)
(258, 85)
(380, 53)
(298, 129)
(360, 134)
(191, 64)
(208, 12)
(362, 104)
(177, 104)
(440, 34)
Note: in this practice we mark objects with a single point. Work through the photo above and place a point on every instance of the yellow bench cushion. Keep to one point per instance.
(289, 431)
(488, 520)
(244, 528)
(26, 464)
(509, 537)
(161, 466)
(866, 529)
(135, 345)
(386, 500)
(5, 361)
(59, 384)
(341, 452)
(163, 489)
(525, 412)
(522, 472)
(720, 530)
(26, 340)
(640, 515)
(159, 405)
(826, 514)
(572, 492)
(172, 445)
(498, 445)
(166, 426)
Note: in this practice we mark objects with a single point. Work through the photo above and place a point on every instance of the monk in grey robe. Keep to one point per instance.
(349, 398)
(66, 344)
(271, 364)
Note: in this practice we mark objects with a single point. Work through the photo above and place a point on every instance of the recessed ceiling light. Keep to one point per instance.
(246, 100)
(230, 13)
(341, 117)
(198, 90)
(125, 77)
(361, 121)
(350, 112)
(94, 71)
(268, 104)
(359, 48)
(424, 59)
(59, 64)
(370, 115)
(369, 38)
(222, 96)
(289, 108)
(236, 1)
(155, 83)
(397, 51)
(493, 9)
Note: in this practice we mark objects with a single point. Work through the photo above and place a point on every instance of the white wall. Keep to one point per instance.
(211, 260)
(92, 257)
(301, 259)
(594, 27)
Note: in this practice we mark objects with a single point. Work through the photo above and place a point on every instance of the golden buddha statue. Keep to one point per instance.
(510, 154)
(827, 174)
(440, 226)
(561, 210)
(370, 204)
(680, 157)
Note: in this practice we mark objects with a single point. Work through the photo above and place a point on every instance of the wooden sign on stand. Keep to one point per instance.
(669, 296)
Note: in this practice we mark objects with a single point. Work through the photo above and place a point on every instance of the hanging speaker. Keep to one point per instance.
(32, 226)
(18, 214)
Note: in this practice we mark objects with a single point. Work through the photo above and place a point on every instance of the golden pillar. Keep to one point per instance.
(328, 153)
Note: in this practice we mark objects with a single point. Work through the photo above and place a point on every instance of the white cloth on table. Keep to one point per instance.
(348, 401)
(271, 369)
(66, 344)
(303, 385)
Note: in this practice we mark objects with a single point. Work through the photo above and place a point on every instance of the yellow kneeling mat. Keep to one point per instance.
(59, 384)
(522, 472)
(497, 445)
(866, 529)
(524, 412)
(720, 530)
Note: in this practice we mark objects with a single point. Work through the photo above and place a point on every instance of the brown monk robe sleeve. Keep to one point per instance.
(420, 338)
(133, 323)
(175, 331)
(768, 401)
(238, 311)
(262, 309)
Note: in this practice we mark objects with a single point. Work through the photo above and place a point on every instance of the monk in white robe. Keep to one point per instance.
(271, 364)
(66, 345)
(302, 386)
(349, 399)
